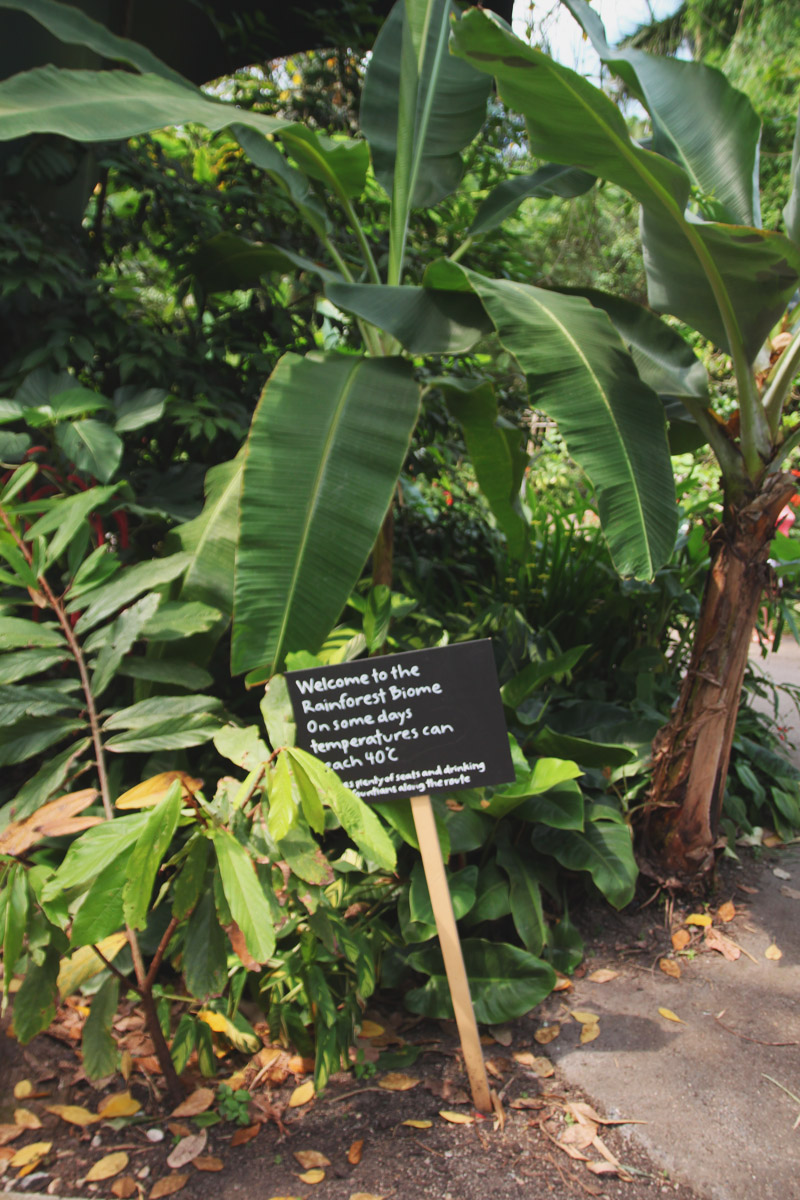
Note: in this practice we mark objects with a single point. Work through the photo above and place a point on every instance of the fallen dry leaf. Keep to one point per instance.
(681, 939)
(23, 1089)
(168, 1185)
(669, 967)
(418, 1124)
(370, 1029)
(602, 975)
(207, 1162)
(563, 983)
(792, 893)
(714, 940)
(31, 1154)
(9, 1133)
(245, 1135)
(669, 1015)
(125, 1187)
(584, 1017)
(302, 1094)
(107, 1167)
(187, 1149)
(456, 1118)
(745, 887)
(73, 1114)
(26, 1118)
(121, 1104)
(547, 1034)
(779, 873)
(311, 1158)
(502, 1034)
(200, 1101)
(579, 1136)
(299, 1065)
(355, 1152)
(589, 1032)
(701, 919)
(178, 1130)
(727, 911)
(773, 953)
(314, 1176)
(365, 1196)
(394, 1081)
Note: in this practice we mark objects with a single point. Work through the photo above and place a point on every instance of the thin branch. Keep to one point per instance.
(116, 971)
(159, 954)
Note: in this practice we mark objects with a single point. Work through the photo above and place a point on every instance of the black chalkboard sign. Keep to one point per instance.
(406, 724)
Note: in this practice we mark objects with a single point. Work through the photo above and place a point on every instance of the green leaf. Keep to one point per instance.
(101, 912)
(227, 262)
(304, 856)
(377, 617)
(174, 671)
(175, 733)
(147, 713)
(33, 735)
(498, 455)
(505, 982)
(137, 407)
(35, 700)
(603, 849)
(25, 663)
(547, 773)
(101, 106)
(104, 600)
(340, 163)
(210, 539)
(578, 372)
(525, 897)
(99, 1050)
(90, 853)
(242, 745)
(357, 820)
(461, 885)
(189, 882)
(791, 213)
(531, 677)
(49, 779)
(582, 750)
(35, 1002)
(122, 634)
(282, 805)
(204, 950)
(276, 709)
(492, 896)
(547, 181)
(242, 889)
(309, 799)
(424, 320)
(14, 446)
(180, 619)
(92, 446)
(447, 105)
(314, 496)
(15, 922)
(566, 945)
(561, 807)
(67, 516)
(16, 632)
(184, 1041)
(145, 861)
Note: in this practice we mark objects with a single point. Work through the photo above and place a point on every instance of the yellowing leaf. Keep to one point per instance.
(702, 919)
(418, 1124)
(121, 1104)
(370, 1029)
(547, 1034)
(153, 791)
(23, 1089)
(603, 975)
(54, 819)
(669, 967)
(355, 1152)
(456, 1118)
(394, 1081)
(168, 1185)
(585, 1017)
(214, 1020)
(365, 1196)
(681, 939)
(669, 1015)
(240, 1039)
(314, 1176)
(107, 1167)
(26, 1118)
(727, 911)
(311, 1158)
(73, 1114)
(85, 964)
(773, 952)
(302, 1094)
(200, 1101)
(125, 1064)
(589, 1032)
(32, 1154)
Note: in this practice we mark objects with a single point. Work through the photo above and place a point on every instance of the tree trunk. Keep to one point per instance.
(691, 753)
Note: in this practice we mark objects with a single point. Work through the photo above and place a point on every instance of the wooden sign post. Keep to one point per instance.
(402, 726)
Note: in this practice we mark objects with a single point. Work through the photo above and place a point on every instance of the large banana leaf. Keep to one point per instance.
(99, 106)
(424, 320)
(578, 371)
(326, 445)
(731, 283)
(700, 120)
(791, 213)
(453, 92)
(211, 538)
(547, 181)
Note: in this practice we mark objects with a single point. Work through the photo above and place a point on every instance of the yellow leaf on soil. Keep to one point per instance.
(26, 1118)
(603, 975)
(153, 791)
(125, 1187)
(669, 1015)
(107, 1167)
(121, 1104)
(456, 1118)
(585, 1017)
(314, 1176)
(311, 1158)
(681, 939)
(365, 1196)
(208, 1162)
(168, 1185)
(200, 1101)
(773, 952)
(73, 1114)
(589, 1032)
(370, 1029)
(418, 1124)
(727, 911)
(702, 919)
(31, 1154)
(302, 1094)
(355, 1152)
(669, 967)
(10, 1133)
(23, 1089)
(547, 1034)
(85, 964)
(394, 1081)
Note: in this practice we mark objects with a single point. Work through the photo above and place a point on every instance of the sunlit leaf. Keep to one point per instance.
(302, 1094)
(456, 1118)
(394, 1081)
(107, 1167)
(198, 1102)
(669, 967)
(669, 1015)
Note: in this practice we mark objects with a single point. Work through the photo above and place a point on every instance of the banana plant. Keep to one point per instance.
(710, 264)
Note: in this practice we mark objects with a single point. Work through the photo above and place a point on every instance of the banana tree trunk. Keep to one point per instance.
(691, 753)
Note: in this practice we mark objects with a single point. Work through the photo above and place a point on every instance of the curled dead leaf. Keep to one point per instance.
(537, 1063)
(302, 1094)
(54, 819)
(365, 1196)
(198, 1102)
(681, 939)
(669, 967)
(311, 1158)
(316, 1175)
(394, 1081)
(355, 1152)
(107, 1167)
(579, 1136)
(773, 952)
(715, 940)
(456, 1118)
(299, 1065)
(547, 1034)
(701, 919)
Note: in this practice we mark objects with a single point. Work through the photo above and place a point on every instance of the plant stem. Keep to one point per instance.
(366, 249)
(781, 379)
(159, 954)
(460, 251)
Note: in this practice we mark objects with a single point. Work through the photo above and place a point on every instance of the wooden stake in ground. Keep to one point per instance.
(451, 951)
